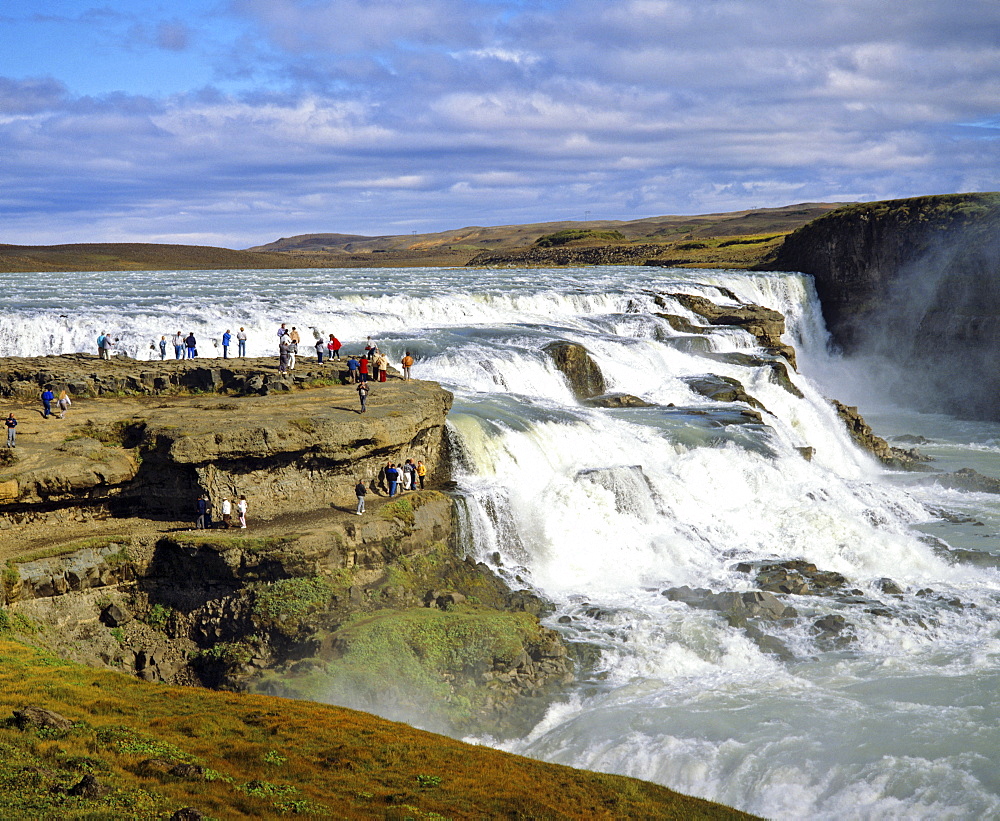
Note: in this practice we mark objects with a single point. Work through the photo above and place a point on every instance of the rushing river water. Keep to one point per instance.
(602, 510)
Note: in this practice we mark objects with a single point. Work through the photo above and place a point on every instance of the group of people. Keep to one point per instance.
(186, 347)
(394, 479)
(204, 508)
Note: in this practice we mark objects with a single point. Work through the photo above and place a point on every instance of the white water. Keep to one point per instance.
(603, 509)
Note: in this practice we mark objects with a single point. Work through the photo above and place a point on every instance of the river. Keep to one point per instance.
(602, 510)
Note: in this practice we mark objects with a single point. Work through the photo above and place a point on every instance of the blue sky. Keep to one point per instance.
(235, 122)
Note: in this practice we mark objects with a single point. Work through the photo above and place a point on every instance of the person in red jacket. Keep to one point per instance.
(363, 363)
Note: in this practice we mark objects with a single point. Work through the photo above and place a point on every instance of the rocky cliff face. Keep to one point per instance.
(96, 524)
(145, 439)
(915, 282)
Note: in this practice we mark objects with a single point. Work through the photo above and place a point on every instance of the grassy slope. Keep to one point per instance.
(266, 757)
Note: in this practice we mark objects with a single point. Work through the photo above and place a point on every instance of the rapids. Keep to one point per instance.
(602, 510)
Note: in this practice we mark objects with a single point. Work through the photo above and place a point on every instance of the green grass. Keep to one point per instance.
(337, 763)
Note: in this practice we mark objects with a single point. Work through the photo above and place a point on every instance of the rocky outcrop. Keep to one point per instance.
(863, 435)
(917, 283)
(567, 255)
(582, 373)
(297, 449)
(721, 389)
(616, 400)
(237, 612)
(764, 324)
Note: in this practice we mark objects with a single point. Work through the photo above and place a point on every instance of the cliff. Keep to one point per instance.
(916, 283)
(96, 524)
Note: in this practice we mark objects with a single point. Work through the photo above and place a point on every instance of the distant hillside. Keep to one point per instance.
(735, 239)
(133, 256)
(459, 246)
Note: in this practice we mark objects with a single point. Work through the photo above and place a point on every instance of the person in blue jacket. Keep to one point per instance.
(227, 337)
(47, 397)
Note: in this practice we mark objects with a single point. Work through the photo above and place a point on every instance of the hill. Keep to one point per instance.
(738, 238)
(117, 747)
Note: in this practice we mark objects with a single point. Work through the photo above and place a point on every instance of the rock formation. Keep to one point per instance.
(584, 375)
(915, 282)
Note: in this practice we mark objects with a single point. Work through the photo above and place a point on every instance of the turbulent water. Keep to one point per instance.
(602, 510)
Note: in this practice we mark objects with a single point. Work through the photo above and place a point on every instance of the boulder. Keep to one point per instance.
(721, 389)
(617, 400)
(39, 717)
(583, 374)
(88, 787)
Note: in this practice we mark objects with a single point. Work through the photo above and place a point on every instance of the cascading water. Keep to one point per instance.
(604, 510)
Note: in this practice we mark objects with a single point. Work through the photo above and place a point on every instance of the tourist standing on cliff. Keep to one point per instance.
(352, 368)
(227, 337)
(333, 346)
(407, 363)
(283, 354)
(100, 344)
(47, 397)
(241, 509)
(179, 346)
(293, 348)
(64, 403)
(163, 348)
(363, 395)
(320, 348)
(363, 369)
(106, 347)
(192, 345)
(360, 491)
(11, 424)
(202, 508)
(227, 513)
(241, 342)
(392, 477)
(383, 366)
(421, 473)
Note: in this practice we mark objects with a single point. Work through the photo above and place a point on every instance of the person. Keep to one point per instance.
(282, 332)
(369, 347)
(333, 346)
(202, 508)
(227, 337)
(179, 346)
(407, 363)
(47, 397)
(64, 403)
(392, 477)
(163, 348)
(363, 369)
(383, 367)
(410, 470)
(320, 347)
(293, 347)
(192, 345)
(11, 424)
(227, 513)
(363, 395)
(241, 509)
(352, 368)
(241, 342)
(360, 491)
(421, 473)
(375, 361)
(106, 346)
(100, 344)
(283, 355)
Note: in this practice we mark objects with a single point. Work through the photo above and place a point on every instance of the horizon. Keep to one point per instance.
(234, 125)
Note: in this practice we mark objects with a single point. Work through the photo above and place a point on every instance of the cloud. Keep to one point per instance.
(357, 116)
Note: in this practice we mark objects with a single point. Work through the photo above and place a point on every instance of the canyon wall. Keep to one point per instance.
(914, 283)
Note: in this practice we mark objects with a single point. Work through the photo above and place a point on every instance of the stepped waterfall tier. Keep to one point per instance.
(762, 611)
